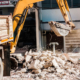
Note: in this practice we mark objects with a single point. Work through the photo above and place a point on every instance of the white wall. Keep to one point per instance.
(46, 27)
(55, 15)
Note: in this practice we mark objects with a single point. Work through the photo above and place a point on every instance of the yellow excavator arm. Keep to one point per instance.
(64, 8)
(19, 16)
(61, 29)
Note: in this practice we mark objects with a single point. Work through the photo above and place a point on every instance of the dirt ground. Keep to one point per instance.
(23, 75)
(70, 71)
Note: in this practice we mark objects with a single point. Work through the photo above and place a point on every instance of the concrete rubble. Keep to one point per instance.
(47, 66)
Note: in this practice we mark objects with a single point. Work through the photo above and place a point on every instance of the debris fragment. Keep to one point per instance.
(34, 65)
(55, 64)
(36, 71)
(27, 58)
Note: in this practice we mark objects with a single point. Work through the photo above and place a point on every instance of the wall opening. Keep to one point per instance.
(28, 34)
(51, 37)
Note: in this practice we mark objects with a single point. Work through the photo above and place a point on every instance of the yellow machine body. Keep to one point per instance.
(18, 11)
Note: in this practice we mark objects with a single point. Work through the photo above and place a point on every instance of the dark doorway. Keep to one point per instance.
(0, 11)
(28, 33)
(51, 37)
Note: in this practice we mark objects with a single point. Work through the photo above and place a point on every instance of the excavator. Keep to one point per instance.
(19, 15)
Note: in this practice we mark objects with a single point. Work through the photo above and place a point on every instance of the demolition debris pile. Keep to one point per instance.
(46, 62)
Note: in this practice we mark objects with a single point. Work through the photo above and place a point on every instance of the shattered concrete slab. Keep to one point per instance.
(46, 66)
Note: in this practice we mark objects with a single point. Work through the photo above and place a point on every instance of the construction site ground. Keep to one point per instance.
(44, 65)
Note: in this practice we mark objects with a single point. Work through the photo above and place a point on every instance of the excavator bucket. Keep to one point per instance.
(59, 29)
(33, 1)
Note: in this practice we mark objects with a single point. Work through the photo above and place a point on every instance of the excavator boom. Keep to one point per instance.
(19, 16)
(61, 29)
(63, 6)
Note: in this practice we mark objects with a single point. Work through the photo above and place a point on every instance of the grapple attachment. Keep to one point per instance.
(60, 29)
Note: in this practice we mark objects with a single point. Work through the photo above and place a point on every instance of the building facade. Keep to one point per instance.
(6, 7)
(49, 11)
